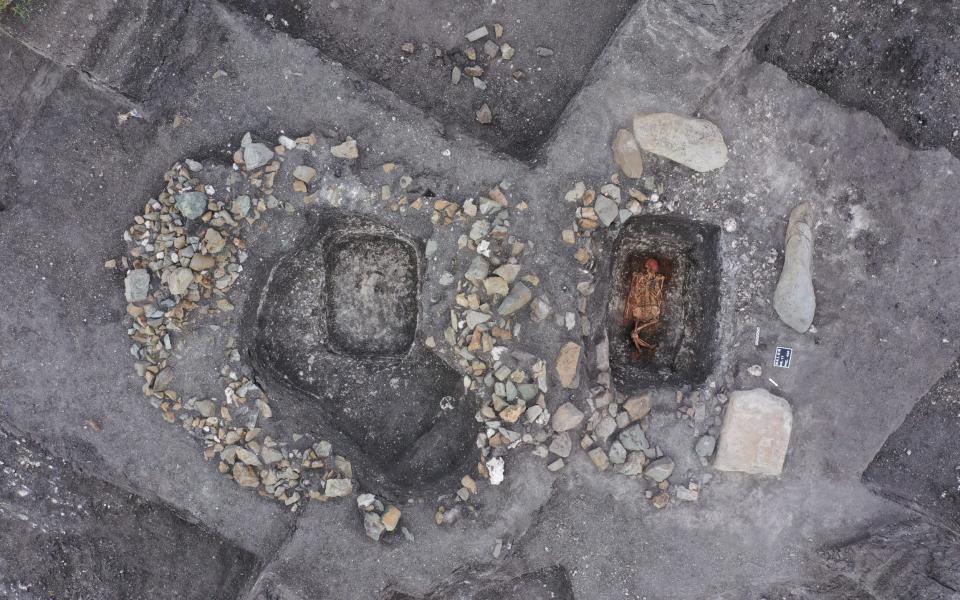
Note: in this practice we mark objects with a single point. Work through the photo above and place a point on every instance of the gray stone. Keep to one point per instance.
(475, 318)
(336, 488)
(694, 143)
(604, 429)
(660, 469)
(191, 204)
(248, 457)
(477, 34)
(179, 280)
(634, 464)
(705, 446)
(479, 230)
(206, 408)
(373, 526)
(323, 448)
(271, 455)
(256, 155)
(612, 191)
(194, 165)
(794, 299)
(566, 417)
(617, 453)
(508, 271)
(519, 296)
(479, 268)
(136, 285)
(633, 438)
(638, 407)
(304, 173)
(240, 206)
(602, 353)
(561, 445)
(607, 210)
(540, 310)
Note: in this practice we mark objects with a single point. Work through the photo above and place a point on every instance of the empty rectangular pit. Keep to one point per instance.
(372, 304)
(684, 338)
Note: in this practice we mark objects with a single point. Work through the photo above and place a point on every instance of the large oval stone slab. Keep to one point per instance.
(693, 143)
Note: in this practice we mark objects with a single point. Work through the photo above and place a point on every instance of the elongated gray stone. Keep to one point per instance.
(519, 296)
(794, 299)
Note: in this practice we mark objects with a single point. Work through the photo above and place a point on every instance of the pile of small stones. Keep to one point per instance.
(379, 518)
(185, 253)
(489, 298)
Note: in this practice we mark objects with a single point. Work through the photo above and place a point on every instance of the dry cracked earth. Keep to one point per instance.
(397, 300)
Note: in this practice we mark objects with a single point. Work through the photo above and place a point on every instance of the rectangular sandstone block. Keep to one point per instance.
(755, 434)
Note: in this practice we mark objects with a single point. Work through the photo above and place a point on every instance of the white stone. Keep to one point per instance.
(755, 434)
(694, 143)
(495, 467)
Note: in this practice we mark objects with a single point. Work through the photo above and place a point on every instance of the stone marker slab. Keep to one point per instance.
(755, 434)
(693, 143)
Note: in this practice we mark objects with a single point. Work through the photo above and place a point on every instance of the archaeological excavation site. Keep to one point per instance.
(480, 300)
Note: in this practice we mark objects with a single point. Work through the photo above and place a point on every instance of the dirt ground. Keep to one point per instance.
(99, 99)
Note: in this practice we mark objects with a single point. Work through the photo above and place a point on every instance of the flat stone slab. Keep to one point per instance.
(693, 143)
(755, 434)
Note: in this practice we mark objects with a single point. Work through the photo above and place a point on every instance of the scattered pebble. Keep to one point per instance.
(347, 150)
(566, 417)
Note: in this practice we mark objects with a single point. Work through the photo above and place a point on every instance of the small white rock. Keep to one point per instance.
(495, 467)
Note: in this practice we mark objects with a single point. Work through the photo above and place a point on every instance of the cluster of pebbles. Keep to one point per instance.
(185, 253)
(491, 297)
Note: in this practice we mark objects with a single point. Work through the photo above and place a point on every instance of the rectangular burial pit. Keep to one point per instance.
(372, 303)
(684, 337)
